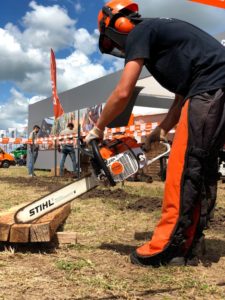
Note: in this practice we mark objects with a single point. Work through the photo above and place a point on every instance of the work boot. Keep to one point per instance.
(192, 261)
(177, 261)
(199, 247)
(153, 262)
(196, 252)
(144, 261)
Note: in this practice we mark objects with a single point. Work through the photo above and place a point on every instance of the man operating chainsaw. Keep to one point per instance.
(191, 64)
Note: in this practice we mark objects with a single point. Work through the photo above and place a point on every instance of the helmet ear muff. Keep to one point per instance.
(123, 25)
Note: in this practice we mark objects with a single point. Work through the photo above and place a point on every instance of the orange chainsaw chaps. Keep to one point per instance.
(171, 201)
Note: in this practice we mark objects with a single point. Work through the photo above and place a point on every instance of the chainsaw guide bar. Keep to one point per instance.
(46, 204)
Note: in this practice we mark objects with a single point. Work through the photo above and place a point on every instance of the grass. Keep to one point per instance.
(108, 225)
(73, 265)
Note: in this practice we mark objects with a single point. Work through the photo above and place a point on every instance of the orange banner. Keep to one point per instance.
(133, 130)
(58, 110)
(216, 3)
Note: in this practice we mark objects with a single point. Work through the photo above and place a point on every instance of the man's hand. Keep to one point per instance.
(94, 134)
(157, 135)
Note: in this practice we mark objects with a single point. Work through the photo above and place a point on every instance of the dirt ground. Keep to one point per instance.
(109, 225)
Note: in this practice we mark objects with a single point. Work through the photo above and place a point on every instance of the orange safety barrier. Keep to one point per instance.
(133, 130)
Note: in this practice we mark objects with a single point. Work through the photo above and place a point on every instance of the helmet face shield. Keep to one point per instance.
(106, 45)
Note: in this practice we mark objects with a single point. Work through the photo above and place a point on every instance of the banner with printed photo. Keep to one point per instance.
(89, 117)
(86, 117)
(46, 127)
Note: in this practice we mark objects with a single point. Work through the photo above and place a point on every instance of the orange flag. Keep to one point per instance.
(216, 3)
(58, 110)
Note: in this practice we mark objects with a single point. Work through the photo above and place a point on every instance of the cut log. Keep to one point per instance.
(40, 230)
(43, 229)
(6, 222)
(4, 232)
(65, 237)
(19, 233)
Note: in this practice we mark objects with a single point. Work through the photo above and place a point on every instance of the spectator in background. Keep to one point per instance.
(68, 148)
(33, 150)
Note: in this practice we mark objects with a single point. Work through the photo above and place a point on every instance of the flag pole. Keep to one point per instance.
(55, 157)
(78, 143)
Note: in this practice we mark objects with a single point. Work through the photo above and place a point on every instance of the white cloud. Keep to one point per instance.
(24, 55)
(35, 99)
(78, 7)
(14, 61)
(14, 113)
(118, 64)
(47, 27)
(77, 69)
(85, 42)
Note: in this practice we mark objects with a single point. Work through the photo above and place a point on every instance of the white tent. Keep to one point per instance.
(151, 88)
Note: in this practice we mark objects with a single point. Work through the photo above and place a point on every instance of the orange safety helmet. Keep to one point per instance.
(115, 20)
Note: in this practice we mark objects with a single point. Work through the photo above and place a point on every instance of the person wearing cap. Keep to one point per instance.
(33, 149)
(191, 64)
(68, 148)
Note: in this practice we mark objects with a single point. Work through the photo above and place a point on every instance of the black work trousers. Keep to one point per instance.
(190, 188)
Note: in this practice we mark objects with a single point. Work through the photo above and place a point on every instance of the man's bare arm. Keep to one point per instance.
(120, 97)
(173, 114)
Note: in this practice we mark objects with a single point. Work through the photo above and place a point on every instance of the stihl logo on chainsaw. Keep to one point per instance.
(41, 207)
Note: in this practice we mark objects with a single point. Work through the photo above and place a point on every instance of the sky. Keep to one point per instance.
(29, 29)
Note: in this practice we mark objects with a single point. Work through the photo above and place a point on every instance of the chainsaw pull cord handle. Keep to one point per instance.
(100, 161)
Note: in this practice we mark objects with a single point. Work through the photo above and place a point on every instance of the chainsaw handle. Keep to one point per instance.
(100, 161)
(160, 155)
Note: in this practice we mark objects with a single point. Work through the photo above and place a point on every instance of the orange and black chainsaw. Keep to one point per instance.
(112, 161)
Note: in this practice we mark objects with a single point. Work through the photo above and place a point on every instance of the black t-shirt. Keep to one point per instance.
(181, 57)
